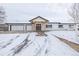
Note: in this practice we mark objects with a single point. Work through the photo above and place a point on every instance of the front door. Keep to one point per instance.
(38, 27)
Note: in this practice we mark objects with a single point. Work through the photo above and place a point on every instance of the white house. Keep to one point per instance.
(39, 24)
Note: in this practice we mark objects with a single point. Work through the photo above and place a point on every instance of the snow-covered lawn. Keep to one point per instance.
(9, 41)
(28, 44)
(69, 35)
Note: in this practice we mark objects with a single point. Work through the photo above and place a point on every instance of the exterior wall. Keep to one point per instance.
(32, 27)
(48, 28)
(23, 27)
(3, 27)
(29, 28)
(8, 27)
(43, 26)
(77, 26)
(65, 27)
(76, 29)
(41, 21)
(17, 28)
(38, 20)
(55, 27)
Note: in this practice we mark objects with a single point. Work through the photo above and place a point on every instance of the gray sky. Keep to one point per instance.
(56, 12)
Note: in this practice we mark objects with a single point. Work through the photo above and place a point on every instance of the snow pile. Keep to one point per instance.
(29, 44)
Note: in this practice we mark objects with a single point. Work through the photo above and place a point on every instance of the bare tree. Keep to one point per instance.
(74, 12)
(2, 14)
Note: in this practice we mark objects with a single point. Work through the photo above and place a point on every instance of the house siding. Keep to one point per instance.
(17, 28)
(29, 28)
(38, 20)
(32, 27)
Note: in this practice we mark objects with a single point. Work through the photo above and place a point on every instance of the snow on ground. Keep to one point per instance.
(35, 45)
(59, 48)
(69, 35)
(6, 39)
(16, 41)
(28, 44)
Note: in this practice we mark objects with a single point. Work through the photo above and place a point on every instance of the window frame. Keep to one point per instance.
(49, 26)
(60, 26)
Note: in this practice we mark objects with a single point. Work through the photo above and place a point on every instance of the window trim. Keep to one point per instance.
(60, 26)
(49, 26)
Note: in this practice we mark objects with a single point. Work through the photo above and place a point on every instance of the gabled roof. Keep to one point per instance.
(38, 17)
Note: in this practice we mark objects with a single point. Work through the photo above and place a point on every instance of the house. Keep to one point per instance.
(38, 24)
(3, 27)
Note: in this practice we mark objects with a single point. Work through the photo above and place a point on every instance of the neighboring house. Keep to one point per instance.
(3, 27)
(38, 24)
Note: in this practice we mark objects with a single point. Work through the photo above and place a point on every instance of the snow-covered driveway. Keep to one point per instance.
(32, 45)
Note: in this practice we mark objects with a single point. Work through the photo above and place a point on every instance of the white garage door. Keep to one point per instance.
(16, 28)
(29, 28)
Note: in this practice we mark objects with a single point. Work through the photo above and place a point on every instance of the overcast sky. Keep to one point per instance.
(56, 12)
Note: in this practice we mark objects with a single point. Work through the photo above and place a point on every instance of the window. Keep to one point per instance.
(78, 25)
(71, 26)
(60, 26)
(78, 29)
(48, 26)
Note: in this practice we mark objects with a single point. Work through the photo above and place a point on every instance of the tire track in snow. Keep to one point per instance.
(33, 45)
(9, 49)
(19, 47)
(10, 42)
(31, 41)
(47, 44)
(44, 49)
